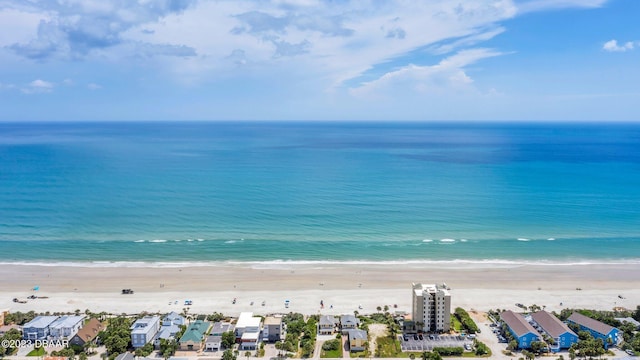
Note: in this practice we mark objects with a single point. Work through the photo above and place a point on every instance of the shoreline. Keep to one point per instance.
(345, 286)
(456, 263)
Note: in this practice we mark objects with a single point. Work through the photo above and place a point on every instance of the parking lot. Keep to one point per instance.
(429, 342)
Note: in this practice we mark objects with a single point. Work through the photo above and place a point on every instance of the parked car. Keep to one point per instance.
(630, 352)
(415, 336)
(405, 337)
(420, 337)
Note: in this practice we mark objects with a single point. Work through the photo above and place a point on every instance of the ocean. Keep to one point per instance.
(167, 193)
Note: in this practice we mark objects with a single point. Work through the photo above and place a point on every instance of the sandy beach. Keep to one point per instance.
(342, 288)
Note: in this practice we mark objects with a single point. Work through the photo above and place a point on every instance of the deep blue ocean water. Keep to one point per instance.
(264, 191)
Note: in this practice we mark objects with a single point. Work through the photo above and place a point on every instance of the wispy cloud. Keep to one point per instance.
(6, 86)
(330, 42)
(613, 46)
(448, 75)
(38, 86)
(73, 29)
(527, 6)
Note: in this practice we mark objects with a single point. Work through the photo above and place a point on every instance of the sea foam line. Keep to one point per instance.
(480, 263)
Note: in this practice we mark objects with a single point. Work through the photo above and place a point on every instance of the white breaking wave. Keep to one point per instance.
(523, 239)
(158, 241)
(551, 239)
(427, 240)
(448, 240)
(485, 263)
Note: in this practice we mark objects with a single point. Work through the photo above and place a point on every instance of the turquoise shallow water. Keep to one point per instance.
(180, 192)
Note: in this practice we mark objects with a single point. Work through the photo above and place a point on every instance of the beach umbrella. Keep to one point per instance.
(36, 288)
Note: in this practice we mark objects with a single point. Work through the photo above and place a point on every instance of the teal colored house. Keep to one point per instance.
(194, 335)
(597, 329)
(521, 330)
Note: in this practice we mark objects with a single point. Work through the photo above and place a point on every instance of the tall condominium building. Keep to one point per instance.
(431, 307)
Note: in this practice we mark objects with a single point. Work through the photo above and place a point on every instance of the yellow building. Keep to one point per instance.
(357, 340)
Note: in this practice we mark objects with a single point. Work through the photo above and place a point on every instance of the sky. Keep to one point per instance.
(498, 60)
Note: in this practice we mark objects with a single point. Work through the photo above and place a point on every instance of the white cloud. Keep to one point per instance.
(38, 86)
(337, 40)
(447, 75)
(526, 6)
(73, 29)
(200, 40)
(93, 86)
(613, 46)
(18, 25)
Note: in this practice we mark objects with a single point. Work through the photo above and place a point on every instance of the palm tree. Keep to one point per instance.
(393, 331)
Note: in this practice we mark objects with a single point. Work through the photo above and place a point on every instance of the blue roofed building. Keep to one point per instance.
(562, 336)
(144, 330)
(38, 328)
(521, 330)
(597, 329)
(65, 327)
(170, 327)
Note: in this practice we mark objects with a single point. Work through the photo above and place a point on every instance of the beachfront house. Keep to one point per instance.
(248, 330)
(327, 325)
(357, 340)
(214, 340)
(88, 332)
(521, 330)
(194, 335)
(630, 320)
(348, 322)
(173, 318)
(597, 329)
(144, 330)
(38, 328)
(65, 327)
(562, 337)
(272, 330)
(170, 327)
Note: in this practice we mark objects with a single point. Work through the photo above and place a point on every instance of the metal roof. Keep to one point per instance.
(590, 323)
(517, 323)
(551, 324)
(66, 322)
(40, 322)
